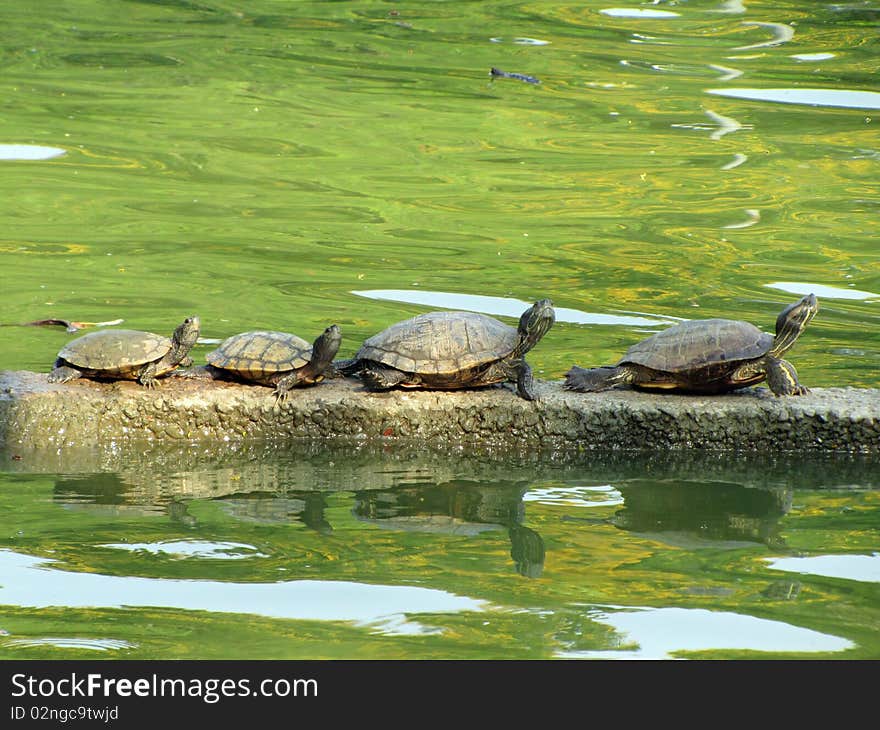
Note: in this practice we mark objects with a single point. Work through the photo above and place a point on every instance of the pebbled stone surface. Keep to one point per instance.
(37, 414)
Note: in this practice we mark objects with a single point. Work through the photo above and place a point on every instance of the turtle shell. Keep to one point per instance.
(118, 352)
(441, 343)
(697, 344)
(261, 353)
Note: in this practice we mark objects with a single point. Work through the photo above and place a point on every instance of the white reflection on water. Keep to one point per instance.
(71, 642)
(727, 73)
(781, 34)
(191, 549)
(505, 307)
(638, 13)
(523, 41)
(30, 581)
(730, 6)
(29, 152)
(813, 56)
(726, 125)
(863, 568)
(814, 97)
(820, 290)
(754, 217)
(738, 159)
(659, 633)
(598, 496)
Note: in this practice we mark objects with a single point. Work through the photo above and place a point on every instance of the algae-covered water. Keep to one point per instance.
(288, 165)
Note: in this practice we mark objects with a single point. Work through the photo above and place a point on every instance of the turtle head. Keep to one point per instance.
(534, 323)
(326, 346)
(185, 335)
(792, 321)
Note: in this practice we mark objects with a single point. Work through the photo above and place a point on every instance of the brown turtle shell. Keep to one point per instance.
(696, 344)
(115, 352)
(260, 353)
(441, 343)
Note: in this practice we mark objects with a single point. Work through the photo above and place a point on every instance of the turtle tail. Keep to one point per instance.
(601, 378)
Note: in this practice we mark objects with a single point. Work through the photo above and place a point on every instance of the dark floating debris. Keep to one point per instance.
(69, 325)
(498, 73)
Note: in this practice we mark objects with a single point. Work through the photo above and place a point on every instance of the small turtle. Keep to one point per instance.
(125, 354)
(272, 358)
(452, 350)
(707, 356)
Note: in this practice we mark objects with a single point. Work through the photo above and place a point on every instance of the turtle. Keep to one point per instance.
(707, 356)
(449, 350)
(121, 354)
(267, 357)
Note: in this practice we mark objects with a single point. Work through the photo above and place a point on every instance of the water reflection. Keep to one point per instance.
(459, 509)
(638, 13)
(190, 549)
(70, 642)
(699, 514)
(358, 525)
(308, 508)
(782, 33)
(821, 290)
(29, 152)
(813, 56)
(30, 581)
(504, 306)
(522, 41)
(663, 633)
(812, 97)
(864, 568)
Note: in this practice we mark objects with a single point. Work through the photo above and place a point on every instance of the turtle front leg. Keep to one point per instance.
(147, 376)
(289, 382)
(783, 379)
(525, 382)
(64, 374)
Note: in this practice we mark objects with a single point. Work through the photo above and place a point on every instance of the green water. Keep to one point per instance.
(257, 163)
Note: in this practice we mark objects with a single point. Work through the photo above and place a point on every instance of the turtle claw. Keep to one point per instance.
(281, 396)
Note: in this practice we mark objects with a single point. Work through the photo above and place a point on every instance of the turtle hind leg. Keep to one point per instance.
(64, 374)
(199, 372)
(341, 368)
(593, 379)
(379, 378)
(782, 378)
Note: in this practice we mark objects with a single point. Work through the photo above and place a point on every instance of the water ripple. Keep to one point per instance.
(71, 642)
(782, 33)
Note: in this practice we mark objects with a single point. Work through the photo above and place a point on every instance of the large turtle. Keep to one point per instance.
(115, 354)
(707, 356)
(452, 350)
(277, 359)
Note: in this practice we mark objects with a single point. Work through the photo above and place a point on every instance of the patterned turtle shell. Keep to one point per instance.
(697, 344)
(261, 353)
(115, 352)
(441, 343)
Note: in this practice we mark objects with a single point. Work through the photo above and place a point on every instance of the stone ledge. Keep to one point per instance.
(37, 414)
